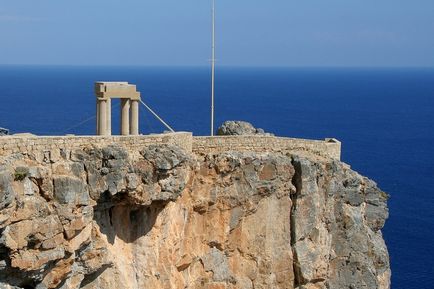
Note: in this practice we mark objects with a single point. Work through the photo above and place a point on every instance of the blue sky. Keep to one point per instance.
(250, 33)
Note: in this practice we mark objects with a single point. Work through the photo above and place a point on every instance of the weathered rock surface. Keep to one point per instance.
(3, 131)
(165, 218)
(240, 128)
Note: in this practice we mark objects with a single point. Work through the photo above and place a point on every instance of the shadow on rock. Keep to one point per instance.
(127, 222)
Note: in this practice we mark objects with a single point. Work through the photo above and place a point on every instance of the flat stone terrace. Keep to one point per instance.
(52, 147)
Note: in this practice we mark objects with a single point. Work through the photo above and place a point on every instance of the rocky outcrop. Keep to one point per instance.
(3, 131)
(240, 128)
(166, 218)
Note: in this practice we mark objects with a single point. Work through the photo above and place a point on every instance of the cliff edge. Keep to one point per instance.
(165, 217)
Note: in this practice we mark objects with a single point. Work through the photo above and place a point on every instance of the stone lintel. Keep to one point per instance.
(114, 87)
(129, 95)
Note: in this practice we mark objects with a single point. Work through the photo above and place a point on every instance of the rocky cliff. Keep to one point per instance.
(167, 218)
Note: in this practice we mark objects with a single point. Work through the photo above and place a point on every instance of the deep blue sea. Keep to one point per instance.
(384, 117)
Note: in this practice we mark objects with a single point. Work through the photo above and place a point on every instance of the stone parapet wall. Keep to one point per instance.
(50, 148)
(330, 148)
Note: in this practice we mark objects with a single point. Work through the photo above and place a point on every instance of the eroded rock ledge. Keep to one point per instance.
(167, 218)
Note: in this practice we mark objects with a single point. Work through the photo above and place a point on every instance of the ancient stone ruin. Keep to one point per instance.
(130, 98)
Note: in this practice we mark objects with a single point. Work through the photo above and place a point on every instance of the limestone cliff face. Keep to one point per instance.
(165, 218)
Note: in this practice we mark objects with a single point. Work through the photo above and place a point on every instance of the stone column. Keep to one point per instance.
(109, 116)
(97, 116)
(134, 117)
(102, 121)
(125, 116)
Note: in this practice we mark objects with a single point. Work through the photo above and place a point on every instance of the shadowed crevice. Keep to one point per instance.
(298, 184)
(88, 279)
(126, 221)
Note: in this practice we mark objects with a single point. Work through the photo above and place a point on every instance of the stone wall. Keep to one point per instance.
(327, 148)
(52, 147)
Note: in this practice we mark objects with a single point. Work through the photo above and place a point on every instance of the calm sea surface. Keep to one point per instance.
(384, 117)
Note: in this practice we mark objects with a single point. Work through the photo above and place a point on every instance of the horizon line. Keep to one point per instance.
(227, 66)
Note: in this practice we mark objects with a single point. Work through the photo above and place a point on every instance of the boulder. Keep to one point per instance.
(3, 131)
(239, 128)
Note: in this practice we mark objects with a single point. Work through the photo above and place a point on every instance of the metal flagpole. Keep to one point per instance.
(213, 68)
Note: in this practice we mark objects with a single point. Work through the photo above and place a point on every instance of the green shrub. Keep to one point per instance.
(21, 173)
